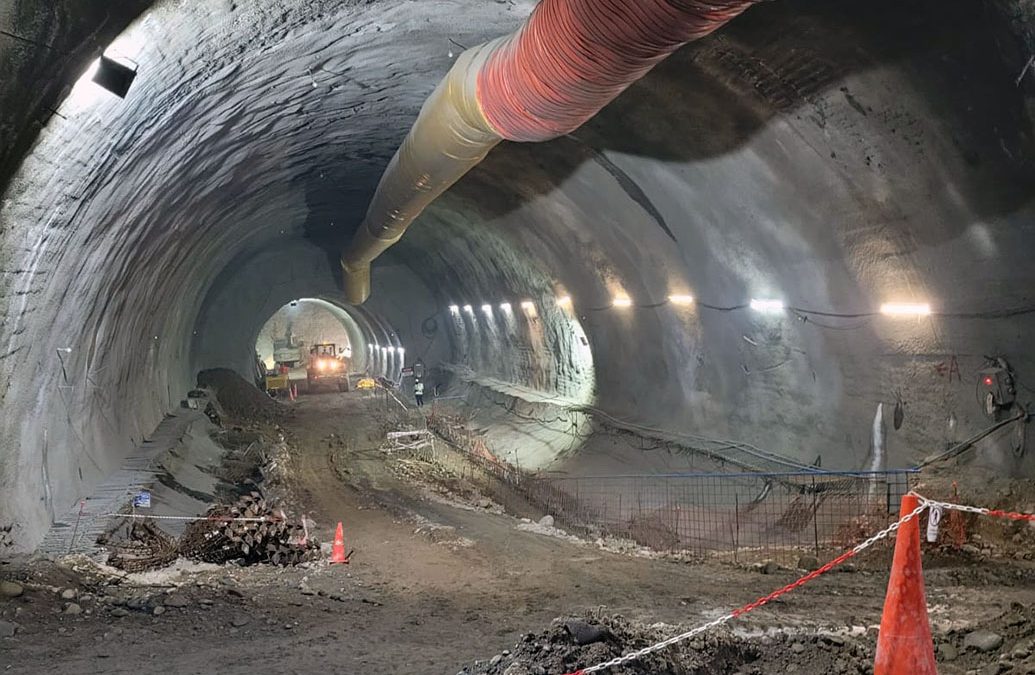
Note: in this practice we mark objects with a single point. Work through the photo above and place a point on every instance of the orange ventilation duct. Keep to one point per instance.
(568, 60)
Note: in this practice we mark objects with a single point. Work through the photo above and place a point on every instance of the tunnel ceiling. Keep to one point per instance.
(829, 153)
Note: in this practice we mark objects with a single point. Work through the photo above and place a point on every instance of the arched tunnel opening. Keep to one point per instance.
(689, 293)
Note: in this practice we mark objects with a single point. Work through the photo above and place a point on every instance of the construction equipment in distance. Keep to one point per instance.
(328, 365)
(289, 368)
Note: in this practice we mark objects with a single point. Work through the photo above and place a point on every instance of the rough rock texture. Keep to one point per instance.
(817, 152)
(46, 46)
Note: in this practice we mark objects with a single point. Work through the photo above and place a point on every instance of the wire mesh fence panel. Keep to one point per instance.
(744, 516)
(768, 514)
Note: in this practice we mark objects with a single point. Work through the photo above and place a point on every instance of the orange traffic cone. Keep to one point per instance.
(338, 554)
(904, 646)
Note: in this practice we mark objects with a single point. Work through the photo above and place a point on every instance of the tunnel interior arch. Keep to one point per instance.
(815, 154)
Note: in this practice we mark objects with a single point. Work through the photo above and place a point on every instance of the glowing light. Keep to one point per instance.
(85, 92)
(469, 309)
(129, 46)
(487, 309)
(681, 299)
(988, 381)
(622, 301)
(454, 310)
(321, 364)
(767, 306)
(905, 309)
(401, 352)
(391, 350)
(505, 307)
(528, 307)
(564, 301)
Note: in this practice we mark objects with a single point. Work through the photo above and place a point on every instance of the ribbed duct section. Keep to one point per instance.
(573, 57)
(569, 60)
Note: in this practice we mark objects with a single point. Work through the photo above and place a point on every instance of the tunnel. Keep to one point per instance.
(706, 258)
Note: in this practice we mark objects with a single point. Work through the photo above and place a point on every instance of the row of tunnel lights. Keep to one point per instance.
(763, 305)
(385, 351)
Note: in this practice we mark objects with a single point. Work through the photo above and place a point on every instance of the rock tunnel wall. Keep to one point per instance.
(817, 152)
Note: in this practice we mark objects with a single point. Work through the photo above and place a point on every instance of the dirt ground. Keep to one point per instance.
(441, 586)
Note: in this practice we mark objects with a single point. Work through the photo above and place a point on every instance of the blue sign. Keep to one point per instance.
(142, 500)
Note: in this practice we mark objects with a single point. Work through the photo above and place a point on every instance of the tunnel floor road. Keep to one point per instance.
(433, 584)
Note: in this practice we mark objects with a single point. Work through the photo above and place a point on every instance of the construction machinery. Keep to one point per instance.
(328, 365)
(290, 367)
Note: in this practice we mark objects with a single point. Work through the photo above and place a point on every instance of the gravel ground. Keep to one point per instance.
(438, 581)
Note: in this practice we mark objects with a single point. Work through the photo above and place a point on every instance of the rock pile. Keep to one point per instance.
(572, 643)
(1004, 645)
(239, 398)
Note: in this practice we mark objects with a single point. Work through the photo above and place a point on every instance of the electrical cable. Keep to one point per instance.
(964, 445)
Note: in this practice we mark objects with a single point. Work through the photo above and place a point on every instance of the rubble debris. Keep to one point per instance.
(10, 589)
(983, 640)
(238, 398)
(585, 633)
(1007, 642)
(221, 539)
(558, 650)
(175, 600)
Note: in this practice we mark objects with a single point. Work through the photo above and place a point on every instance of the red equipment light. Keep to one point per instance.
(988, 381)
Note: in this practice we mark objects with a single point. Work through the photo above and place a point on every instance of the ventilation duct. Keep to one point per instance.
(565, 63)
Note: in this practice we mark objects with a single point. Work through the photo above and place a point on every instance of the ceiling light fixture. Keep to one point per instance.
(767, 306)
(115, 76)
(681, 299)
(505, 307)
(487, 309)
(622, 301)
(905, 309)
(564, 301)
(469, 309)
(454, 310)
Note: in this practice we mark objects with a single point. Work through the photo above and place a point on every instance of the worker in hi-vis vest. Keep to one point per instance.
(418, 392)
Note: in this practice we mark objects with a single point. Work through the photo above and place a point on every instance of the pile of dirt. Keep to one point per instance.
(238, 397)
(573, 643)
(1004, 645)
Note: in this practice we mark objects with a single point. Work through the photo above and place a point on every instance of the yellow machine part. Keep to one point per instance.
(366, 383)
(277, 382)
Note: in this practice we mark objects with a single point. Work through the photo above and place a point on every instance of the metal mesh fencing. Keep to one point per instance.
(743, 516)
